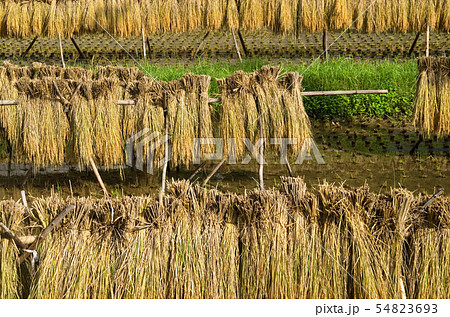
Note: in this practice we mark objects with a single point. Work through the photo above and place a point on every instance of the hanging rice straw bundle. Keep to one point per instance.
(268, 92)
(297, 122)
(231, 15)
(239, 115)
(107, 118)
(183, 122)
(432, 101)
(214, 14)
(43, 127)
(146, 115)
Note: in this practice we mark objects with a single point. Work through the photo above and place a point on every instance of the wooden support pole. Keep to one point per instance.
(427, 52)
(433, 198)
(61, 50)
(125, 102)
(325, 44)
(29, 47)
(288, 166)
(8, 102)
(236, 45)
(200, 46)
(261, 155)
(44, 233)
(13, 237)
(24, 200)
(77, 47)
(213, 100)
(99, 178)
(198, 170)
(244, 47)
(214, 171)
(329, 93)
(414, 43)
(143, 44)
(166, 157)
(343, 92)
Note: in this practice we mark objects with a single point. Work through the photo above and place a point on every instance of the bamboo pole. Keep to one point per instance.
(99, 178)
(427, 52)
(236, 45)
(61, 50)
(143, 44)
(344, 92)
(44, 233)
(12, 236)
(213, 100)
(8, 102)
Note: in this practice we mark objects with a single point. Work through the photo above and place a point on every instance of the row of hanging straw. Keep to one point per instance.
(44, 130)
(130, 17)
(325, 242)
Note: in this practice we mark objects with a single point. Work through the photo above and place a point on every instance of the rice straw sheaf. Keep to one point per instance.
(276, 98)
(189, 115)
(42, 127)
(432, 101)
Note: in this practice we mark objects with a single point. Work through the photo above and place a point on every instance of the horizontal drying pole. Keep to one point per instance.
(213, 100)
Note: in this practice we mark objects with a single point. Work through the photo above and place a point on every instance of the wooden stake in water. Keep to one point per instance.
(61, 50)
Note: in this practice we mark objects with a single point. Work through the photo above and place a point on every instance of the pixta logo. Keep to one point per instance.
(148, 142)
(142, 141)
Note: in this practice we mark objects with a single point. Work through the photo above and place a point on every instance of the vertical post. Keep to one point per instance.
(427, 52)
(143, 44)
(61, 50)
(261, 155)
(325, 44)
(236, 45)
(166, 156)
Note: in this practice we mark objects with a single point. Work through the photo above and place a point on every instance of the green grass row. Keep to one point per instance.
(399, 77)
